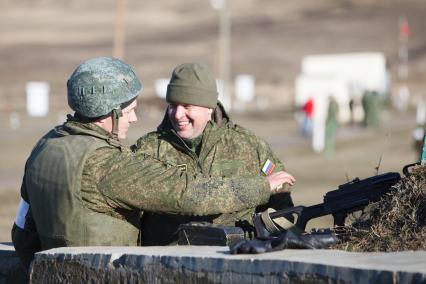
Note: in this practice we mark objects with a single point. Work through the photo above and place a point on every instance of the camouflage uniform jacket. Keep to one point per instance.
(227, 150)
(115, 185)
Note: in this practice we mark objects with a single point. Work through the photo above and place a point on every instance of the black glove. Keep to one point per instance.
(286, 240)
(250, 246)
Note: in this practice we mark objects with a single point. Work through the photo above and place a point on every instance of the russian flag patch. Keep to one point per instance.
(268, 167)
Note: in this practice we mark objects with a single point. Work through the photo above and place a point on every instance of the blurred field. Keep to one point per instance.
(47, 39)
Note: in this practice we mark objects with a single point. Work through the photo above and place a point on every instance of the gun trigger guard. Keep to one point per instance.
(267, 221)
(277, 225)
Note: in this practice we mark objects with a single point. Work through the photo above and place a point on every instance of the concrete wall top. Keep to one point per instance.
(212, 264)
(410, 261)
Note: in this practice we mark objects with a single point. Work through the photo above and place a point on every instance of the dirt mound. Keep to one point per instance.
(395, 223)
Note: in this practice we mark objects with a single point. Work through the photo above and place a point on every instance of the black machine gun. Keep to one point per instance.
(349, 197)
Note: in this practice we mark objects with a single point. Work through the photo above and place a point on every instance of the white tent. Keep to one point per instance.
(364, 71)
(344, 76)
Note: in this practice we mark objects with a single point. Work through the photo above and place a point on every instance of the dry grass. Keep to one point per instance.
(396, 223)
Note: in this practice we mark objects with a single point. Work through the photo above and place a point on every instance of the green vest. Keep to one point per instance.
(53, 177)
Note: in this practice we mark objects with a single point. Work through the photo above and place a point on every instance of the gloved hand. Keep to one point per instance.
(286, 240)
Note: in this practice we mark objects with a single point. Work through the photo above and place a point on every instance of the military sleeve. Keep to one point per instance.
(132, 181)
(147, 144)
(265, 152)
(281, 200)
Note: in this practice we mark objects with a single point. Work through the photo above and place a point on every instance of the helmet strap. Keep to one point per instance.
(116, 114)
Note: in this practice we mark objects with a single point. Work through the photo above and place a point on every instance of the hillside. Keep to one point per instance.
(46, 39)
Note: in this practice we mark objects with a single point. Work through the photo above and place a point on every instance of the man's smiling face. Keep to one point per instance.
(189, 121)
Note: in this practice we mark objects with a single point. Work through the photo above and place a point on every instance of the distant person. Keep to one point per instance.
(372, 104)
(82, 187)
(331, 125)
(308, 113)
(352, 111)
(198, 136)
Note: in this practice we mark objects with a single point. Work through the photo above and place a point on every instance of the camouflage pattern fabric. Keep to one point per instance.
(128, 182)
(99, 85)
(117, 184)
(119, 179)
(227, 150)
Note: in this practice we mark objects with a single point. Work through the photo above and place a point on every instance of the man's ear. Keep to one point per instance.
(102, 121)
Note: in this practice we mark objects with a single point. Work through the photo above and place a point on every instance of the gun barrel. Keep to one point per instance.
(370, 188)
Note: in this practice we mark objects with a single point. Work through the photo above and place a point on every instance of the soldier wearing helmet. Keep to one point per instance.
(197, 134)
(82, 187)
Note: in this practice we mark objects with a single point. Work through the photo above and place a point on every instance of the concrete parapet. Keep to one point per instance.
(11, 270)
(208, 264)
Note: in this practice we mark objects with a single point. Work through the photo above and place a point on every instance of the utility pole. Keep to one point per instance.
(224, 48)
(403, 36)
(119, 29)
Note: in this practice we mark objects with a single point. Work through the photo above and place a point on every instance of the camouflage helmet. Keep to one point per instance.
(100, 85)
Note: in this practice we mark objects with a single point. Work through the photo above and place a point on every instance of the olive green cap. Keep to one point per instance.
(193, 84)
(100, 85)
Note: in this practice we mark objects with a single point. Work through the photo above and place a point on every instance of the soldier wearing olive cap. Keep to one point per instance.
(197, 135)
(82, 187)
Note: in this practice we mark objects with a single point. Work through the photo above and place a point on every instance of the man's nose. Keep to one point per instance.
(179, 111)
(133, 117)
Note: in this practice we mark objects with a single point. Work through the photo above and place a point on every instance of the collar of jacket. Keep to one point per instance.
(75, 127)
